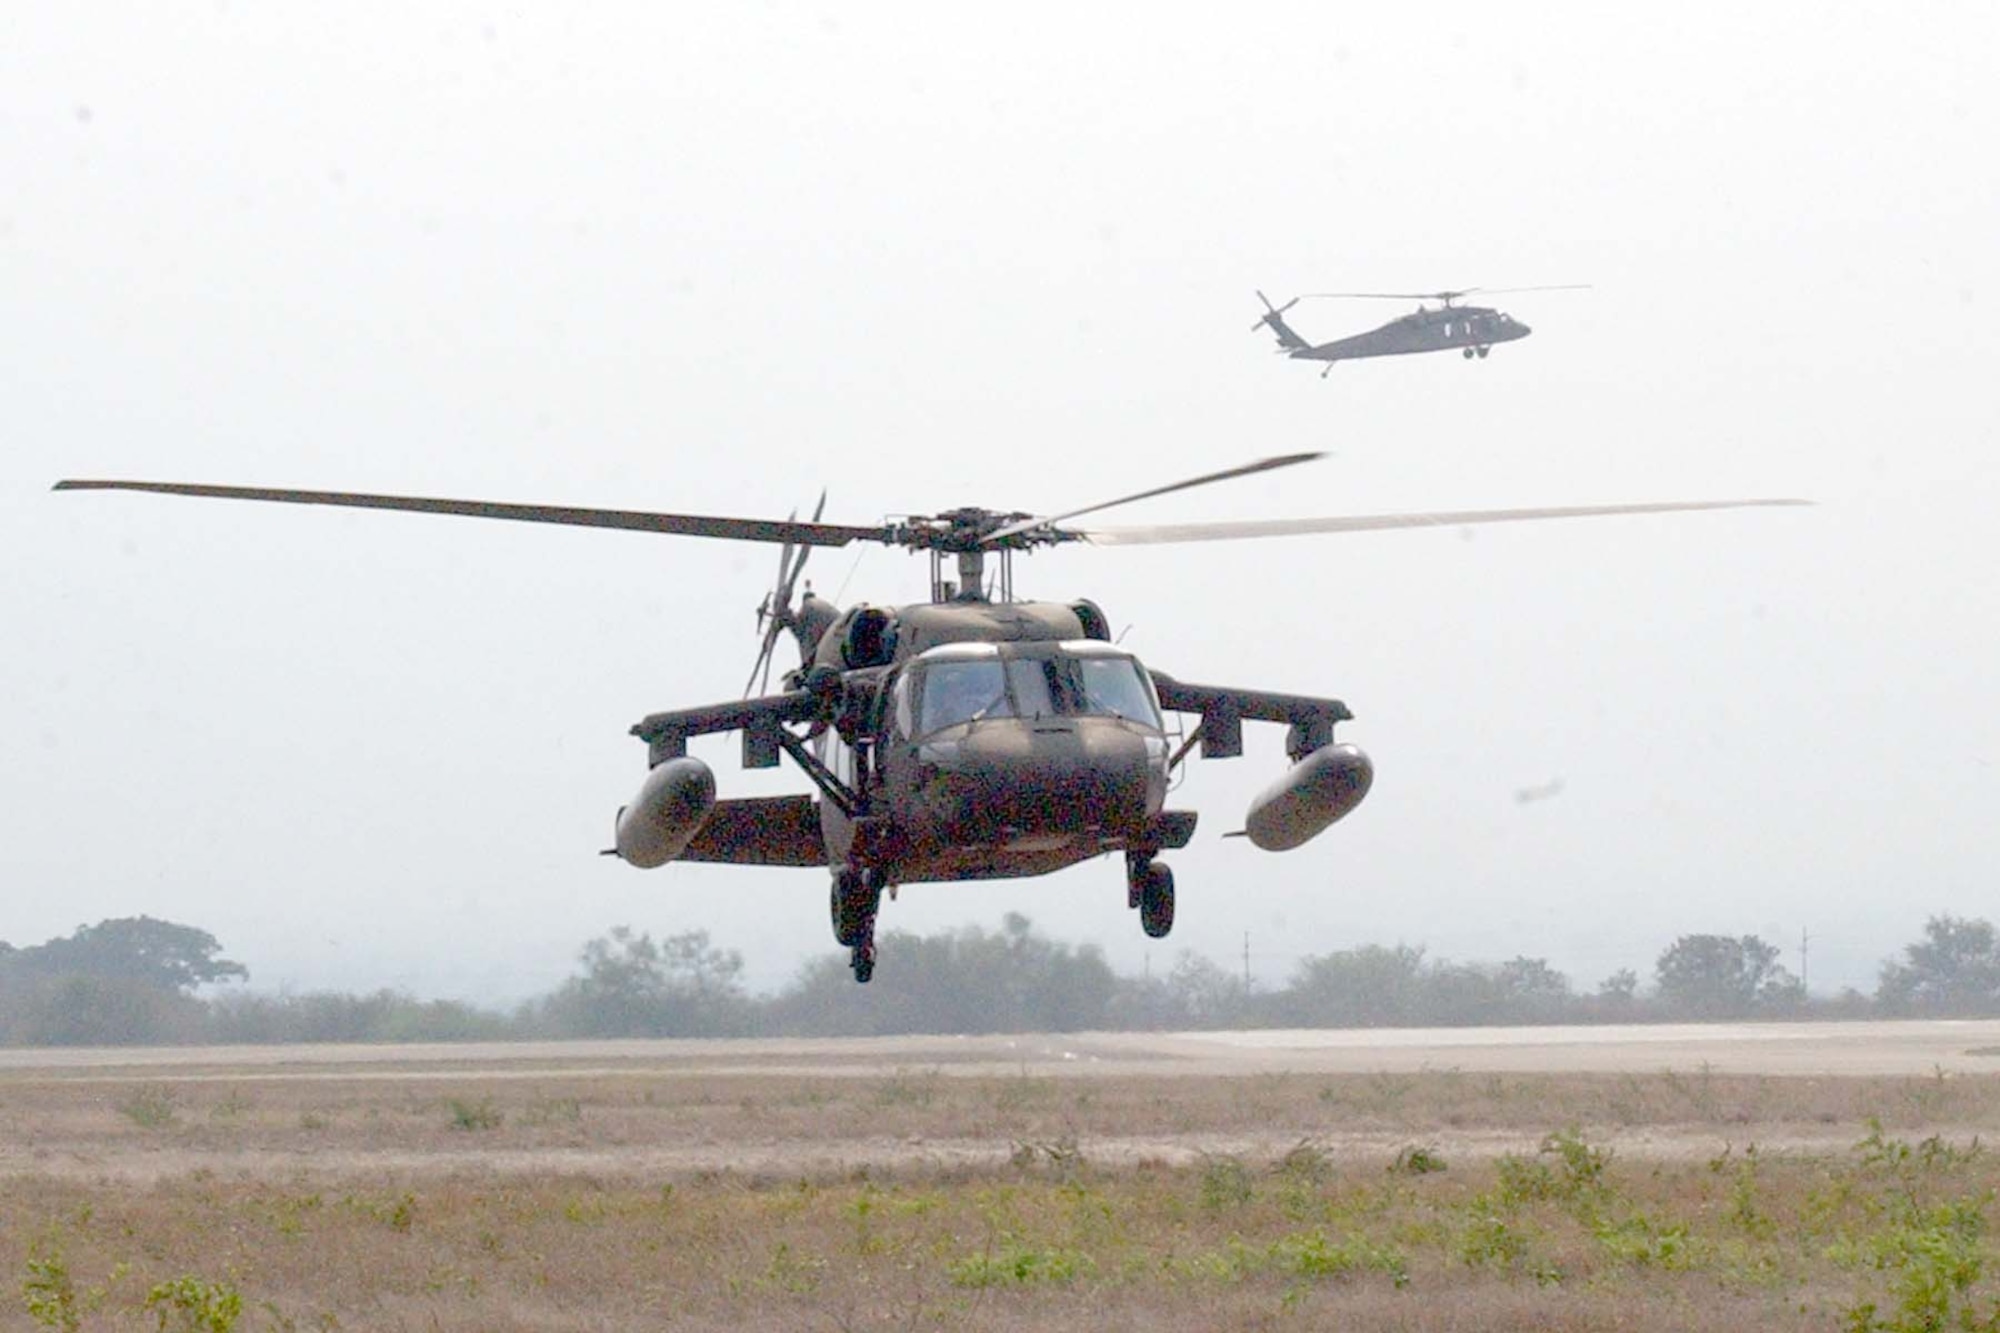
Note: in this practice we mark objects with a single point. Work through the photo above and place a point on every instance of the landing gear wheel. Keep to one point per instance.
(852, 906)
(856, 895)
(1483, 351)
(1467, 354)
(1156, 900)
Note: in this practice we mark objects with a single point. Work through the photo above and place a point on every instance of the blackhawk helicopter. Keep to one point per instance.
(973, 736)
(1472, 329)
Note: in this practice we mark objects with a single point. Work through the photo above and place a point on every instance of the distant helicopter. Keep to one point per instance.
(969, 737)
(1472, 329)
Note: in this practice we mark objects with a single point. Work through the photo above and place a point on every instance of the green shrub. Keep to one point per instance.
(1225, 1183)
(193, 1305)
(1416, 1160)
(50, 1293)
(469, 1115)
(1012, 1263)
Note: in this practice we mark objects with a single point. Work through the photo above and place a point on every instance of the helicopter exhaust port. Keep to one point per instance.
(666, 814)
(1308, 799)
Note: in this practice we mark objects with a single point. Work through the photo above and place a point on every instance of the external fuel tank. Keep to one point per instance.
(666, 814)
(1315, 792)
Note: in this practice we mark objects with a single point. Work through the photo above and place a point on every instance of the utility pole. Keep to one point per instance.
(1246, 962)
(1805, 975)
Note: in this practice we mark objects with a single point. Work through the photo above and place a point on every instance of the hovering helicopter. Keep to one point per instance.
(1473, 329)
(973, 736)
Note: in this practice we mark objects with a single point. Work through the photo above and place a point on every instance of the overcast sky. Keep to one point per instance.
(712, 258)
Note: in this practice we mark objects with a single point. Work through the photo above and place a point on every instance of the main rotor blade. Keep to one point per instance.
(1558, 287)
(1390, 296)
(1295, 527)
(684, 525)
(1261, 465)
(1447, 296)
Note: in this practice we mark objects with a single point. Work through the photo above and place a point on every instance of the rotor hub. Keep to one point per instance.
(972, 530)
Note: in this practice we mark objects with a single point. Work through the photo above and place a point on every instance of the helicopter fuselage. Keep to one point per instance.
(994, 757)
(1470, 328)
(965, 740)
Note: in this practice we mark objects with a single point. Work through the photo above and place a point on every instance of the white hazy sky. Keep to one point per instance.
(710, 258)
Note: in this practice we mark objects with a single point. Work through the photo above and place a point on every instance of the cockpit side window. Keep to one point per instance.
(906, 713)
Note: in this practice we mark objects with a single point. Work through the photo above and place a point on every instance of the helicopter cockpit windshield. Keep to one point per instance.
(1113, 686)
(1075, 680)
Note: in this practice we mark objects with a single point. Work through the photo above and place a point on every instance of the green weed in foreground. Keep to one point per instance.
(1225, 1183)
(50, 1292)
(1313, 1255)
(1888, 1236)
(1491, 1240)
(1012, 1262)
(194, 1305)
(1930, 1237)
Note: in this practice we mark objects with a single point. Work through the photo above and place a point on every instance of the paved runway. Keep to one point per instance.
(1824, 1049)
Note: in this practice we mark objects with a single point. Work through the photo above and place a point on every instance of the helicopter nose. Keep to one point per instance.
(1076, 776)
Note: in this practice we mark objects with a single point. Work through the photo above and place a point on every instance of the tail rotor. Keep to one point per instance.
(1274, 320)
(1273, 314)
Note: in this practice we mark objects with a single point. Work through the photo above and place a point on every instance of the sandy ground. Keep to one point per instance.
(60, 1110)
(1800, 1049)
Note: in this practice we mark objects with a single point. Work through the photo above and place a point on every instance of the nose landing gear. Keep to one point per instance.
(856, 895)
(1149, 886)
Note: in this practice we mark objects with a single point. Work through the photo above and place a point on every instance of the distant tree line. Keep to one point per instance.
(128, 980)
(141, 980)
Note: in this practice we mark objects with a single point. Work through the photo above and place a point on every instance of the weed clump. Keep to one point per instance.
(1012, 1263)
(151, 1107)
(1932, 1247)
(1225, 1183)
(1312, 1255)
(193, 1305)
(1416, 1160)
(1490, 1240)
(470, 1115)
(1565, 1169)
(50, 1292)
(1062, 1155)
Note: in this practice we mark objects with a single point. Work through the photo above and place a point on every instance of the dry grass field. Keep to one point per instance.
(928, 1185)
